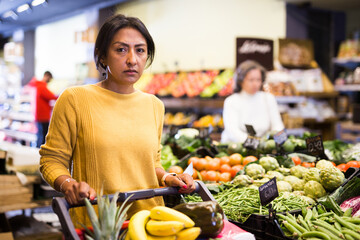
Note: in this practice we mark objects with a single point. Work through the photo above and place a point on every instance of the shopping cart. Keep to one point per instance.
(61, 206)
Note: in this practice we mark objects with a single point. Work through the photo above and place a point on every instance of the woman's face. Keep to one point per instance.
(252, 81)
(126, 57)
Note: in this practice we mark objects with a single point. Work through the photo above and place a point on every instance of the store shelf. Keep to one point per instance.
(290, 99)
(21, 116)
(30, 137)
(216, 103)
(326, 120)
(347, 88)
(319, 94)
(349, 63)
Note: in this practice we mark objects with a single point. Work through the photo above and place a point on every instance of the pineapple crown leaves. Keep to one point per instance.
(107, 224)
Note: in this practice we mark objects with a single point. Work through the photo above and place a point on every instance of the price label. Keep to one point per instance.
(315, 146)
(251, 142)
(280, 137)
(268, 192)
(250, 129)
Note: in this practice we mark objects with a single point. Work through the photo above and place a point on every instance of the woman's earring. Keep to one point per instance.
(103, 70)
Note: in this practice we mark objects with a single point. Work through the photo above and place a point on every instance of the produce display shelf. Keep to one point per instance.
(347, 88)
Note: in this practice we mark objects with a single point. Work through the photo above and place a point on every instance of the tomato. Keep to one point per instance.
(212, 175)
(342, 167)
(176, 169)
(208, 158)
(235, 169)
(235, 159)
(193, 160)
(225, 168)
(334, 164)
(308, 164)
(224, 160)
(201, 164)
(296, 160)
(213, 165)
(195, 174)
(249, 159)
(203, 175)
(352, 163)
(225, 177)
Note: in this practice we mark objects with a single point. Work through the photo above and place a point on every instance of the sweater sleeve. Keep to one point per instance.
(56, 153)
(160, 111)
(232, 122)
(275, 117)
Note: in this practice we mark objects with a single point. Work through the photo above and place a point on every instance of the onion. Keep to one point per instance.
(353, 203)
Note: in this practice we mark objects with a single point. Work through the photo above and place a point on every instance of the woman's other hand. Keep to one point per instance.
(184, 181)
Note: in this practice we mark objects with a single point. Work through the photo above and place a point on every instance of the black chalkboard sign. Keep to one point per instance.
(315, 146)
(268, 192)
(280, 137)
(251, 142)
(250, 129)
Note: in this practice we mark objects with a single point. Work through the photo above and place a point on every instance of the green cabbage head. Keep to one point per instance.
(292, 180)
(331, 178)
(323, 164)
(242, 180)
(283, 186)
(314, 189)
(269, 163)
(298, 171)
(299, 185)
(312, 174)
(255, 170)
(272, 174)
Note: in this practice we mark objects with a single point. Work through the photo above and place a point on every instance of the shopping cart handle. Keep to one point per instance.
(61, 206)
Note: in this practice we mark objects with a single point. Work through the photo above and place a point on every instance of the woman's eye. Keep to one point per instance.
(120, 49)
(140, 50)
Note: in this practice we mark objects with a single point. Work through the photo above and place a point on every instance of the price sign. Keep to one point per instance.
(268, 191)
(250, 129)
(280, 137)
(251, 142)
(315, 146)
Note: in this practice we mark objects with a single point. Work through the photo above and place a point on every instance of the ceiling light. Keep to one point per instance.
(23, 8)
(10, 14)
(37, 2)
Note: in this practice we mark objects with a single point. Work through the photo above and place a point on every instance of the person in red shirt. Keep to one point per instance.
(42, 108)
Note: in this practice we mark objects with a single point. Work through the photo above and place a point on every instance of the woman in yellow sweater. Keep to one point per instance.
(108, 134)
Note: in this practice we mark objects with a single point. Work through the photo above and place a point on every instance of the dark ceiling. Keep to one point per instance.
(52, 10)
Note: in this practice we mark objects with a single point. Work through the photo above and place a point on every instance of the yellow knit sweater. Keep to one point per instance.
(105, 138)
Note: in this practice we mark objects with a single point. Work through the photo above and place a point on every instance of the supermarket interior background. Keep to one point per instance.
(312, 55)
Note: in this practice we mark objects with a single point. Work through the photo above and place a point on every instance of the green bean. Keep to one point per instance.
(348, 237)
(337, 226)
(320, 209)
(308, 215)
(295, 224)
(345, 223)
(303, 223)
(325, 214)
(311, 234)
(354, 220)
(295, 232)
(327, 232)
(351, 233)
(311, 226)
(314, 213)
(329, 228)
(348, 212)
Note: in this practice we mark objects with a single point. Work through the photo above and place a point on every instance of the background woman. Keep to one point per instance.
(249, 105)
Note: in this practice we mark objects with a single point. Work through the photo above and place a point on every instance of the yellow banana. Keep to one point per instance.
(188, 234)
(169, 214)
(152, 237)
(137, 225)
(164, 228)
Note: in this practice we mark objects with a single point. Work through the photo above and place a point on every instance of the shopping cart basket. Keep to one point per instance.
(61, 206)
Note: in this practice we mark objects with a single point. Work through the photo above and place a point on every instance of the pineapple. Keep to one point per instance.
(108, 223)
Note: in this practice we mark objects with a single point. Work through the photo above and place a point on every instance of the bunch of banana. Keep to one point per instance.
(161, 223)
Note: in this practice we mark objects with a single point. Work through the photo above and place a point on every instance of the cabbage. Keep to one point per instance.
(272, 174)
(298, 185)
(292, 180)
(283, 186)
(298, 171)
(314, 190)
(323, 164)
(331, 178)
(242, 180)
(269, 163)
(312, 174)
(255, 170)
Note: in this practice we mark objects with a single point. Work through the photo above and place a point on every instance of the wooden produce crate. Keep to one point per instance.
(13, 191)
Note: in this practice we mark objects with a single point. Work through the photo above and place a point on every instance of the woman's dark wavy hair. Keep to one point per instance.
(243, 69)
(109, 29)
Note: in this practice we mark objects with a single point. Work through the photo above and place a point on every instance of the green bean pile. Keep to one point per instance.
(239, 203)
(317, 223)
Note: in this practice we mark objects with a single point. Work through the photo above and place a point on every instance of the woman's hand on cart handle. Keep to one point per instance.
(184, 181)
(74, 191)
